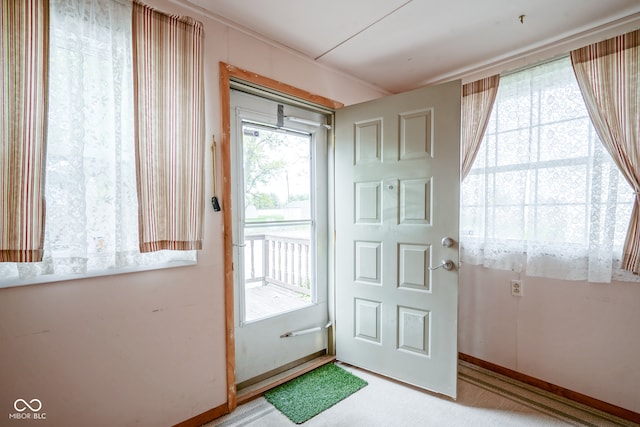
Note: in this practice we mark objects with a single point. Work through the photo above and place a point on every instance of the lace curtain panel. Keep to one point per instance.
(607, 73)
(23, 98)
(543, 196)
(92, 207)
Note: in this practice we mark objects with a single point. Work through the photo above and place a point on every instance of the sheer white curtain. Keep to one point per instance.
(90, 188)
(543, 196)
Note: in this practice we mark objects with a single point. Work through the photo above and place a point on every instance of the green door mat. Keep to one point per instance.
(305, 397)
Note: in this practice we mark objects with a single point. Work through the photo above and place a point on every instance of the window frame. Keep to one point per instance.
(319, 173)
(89, 49)
(487, 168)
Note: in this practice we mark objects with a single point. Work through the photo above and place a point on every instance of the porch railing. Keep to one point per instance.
(283, 261)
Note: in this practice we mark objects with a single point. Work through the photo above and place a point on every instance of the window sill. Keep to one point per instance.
(15, 282)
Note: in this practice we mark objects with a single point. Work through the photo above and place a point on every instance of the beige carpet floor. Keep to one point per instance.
(484, 399)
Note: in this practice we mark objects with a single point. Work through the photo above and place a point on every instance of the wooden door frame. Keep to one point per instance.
(228, 73)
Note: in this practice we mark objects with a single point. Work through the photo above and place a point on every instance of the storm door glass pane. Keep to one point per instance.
(278, 221)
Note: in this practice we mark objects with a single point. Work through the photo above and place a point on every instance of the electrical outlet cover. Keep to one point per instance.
(516, 288)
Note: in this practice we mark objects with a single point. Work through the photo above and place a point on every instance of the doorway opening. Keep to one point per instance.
(231, 76)
(279, 187)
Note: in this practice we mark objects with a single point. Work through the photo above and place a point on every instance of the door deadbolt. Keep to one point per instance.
(447, 242)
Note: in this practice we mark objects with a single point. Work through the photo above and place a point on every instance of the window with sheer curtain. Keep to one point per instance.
(91, 223)
(543, 196)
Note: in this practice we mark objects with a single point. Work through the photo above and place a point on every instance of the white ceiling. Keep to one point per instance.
(400, 45)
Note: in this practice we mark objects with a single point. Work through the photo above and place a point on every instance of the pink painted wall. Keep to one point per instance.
(147, 349)
(143, 349)
(580, 336)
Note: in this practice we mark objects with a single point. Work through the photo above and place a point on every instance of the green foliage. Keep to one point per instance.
(298, 197)
(259, 167)
(263, 200)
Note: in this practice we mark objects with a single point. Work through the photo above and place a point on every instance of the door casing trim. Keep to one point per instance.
(227, 74)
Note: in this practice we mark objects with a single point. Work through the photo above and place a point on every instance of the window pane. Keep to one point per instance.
(279, 269)
(513, 147)
(544, 187)
(512, 102)
(505, 223)
(509, 188)
(563, 184)
(90, 187)
(473, 218)
(472, 194)
(277, 174)
(558, 224)
(279, 260)
(565, 140)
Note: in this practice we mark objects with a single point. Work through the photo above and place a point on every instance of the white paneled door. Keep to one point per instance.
(397, 180)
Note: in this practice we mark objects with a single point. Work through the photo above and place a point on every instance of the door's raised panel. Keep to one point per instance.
(368, 258)
(415, 201)
(414, 330)
(416, 134)
(413, 263)
(368, 142)
(367, 320)
(368, 202)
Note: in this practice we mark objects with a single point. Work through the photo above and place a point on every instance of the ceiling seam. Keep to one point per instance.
(362, 30)
(229, 24)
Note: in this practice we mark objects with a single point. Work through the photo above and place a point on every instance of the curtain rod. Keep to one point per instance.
(537, 64)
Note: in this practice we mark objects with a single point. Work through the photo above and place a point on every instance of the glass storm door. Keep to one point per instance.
(279, 159)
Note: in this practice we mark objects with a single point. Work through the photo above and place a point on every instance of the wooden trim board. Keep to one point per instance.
(205, 417)
(256, 390)
(555, 389)
(225, 105)
(227, 73)
(277, 86)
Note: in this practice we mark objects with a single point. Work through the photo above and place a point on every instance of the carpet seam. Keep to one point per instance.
(547, 395)
(241, 419)
(529, 403)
